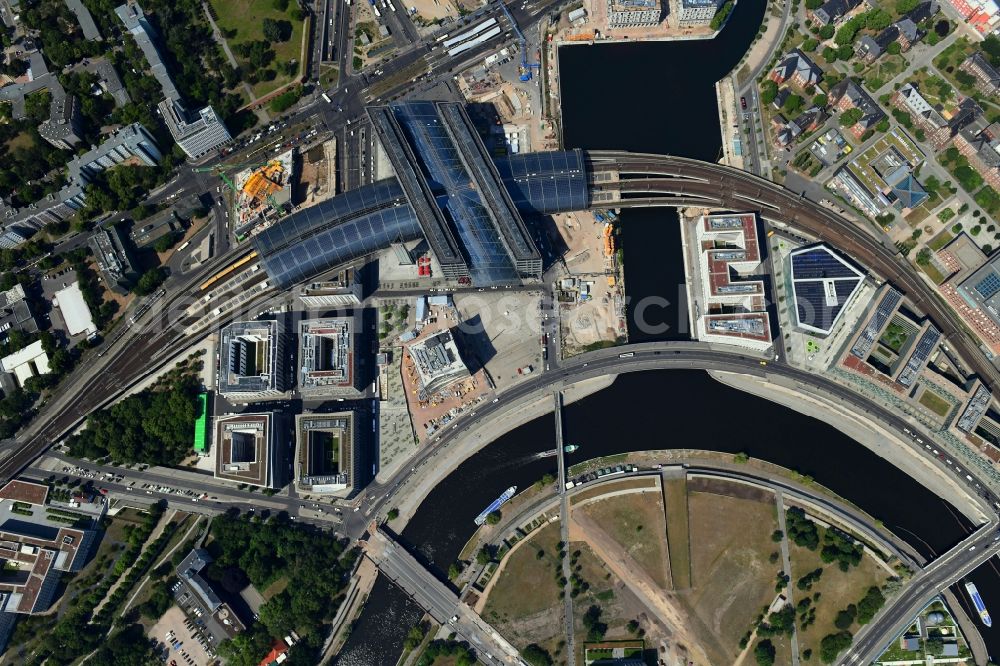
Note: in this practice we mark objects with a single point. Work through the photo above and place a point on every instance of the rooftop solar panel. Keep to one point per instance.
(819, 262)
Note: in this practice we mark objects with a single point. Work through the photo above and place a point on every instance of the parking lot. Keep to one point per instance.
(177, 629)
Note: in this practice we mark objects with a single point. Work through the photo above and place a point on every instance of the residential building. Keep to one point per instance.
(246, 449)
(253, 356)
(633, 13)
(925, 116)
(114, 259)
(905, 32)
(697, 12)
(779, 100)
(326, 356)
(979, 142)
(809, 120)
(797, 68)
(823, 283)
(340, 291)
(832, 11)
(84, 18)
(63, 129)
(848, 95)
(15, 312)
(987, 78)
(110, 82)
(196, 133)
(327, 453)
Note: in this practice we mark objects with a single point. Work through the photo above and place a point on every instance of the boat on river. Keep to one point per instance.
(977, 601)
(496, 504)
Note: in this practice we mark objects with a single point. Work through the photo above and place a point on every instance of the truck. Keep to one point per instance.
(326, 98)
(526, 370)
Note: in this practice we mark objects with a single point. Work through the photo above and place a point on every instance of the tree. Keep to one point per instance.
(592, 622)
(149, 281)
(764, 652)
(826, 32)
(810, 44)
(535, 655)
(904, 6)
(883, 125)
(894, 48)
(830, 54)
(814, 4)
(392, 514)
(792, 104)
(493, 517)
(721, 15)
(277, 31)
(877, 19)
(768, 91)
(870, 604)
(280, 5)
(850, 117)
(924, 257)
(845, 618)
(819, 101)
(834, 644)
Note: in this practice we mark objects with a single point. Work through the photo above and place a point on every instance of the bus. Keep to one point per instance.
(326, 98)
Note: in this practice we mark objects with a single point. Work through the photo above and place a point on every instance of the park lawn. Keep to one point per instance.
(246, 17)
(933, 273)
(21, 140)
(837, 589)
(940, 240)
(732, 577)
(606, 592)
(936, 404)
(636, 522)
(524, 602)
(882, 71)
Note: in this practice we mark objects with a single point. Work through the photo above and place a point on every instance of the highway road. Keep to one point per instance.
(948, 569)
(432, 458)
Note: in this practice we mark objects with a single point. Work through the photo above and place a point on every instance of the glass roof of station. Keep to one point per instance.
(546, 183)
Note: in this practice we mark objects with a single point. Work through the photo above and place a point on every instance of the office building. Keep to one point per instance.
(823, 283)
(327, 453)
(438, 362)
(114, 259)
(326, 356)
(246, 449)
(31, 361)
(217, 617)
(339, 291)
(252, 365)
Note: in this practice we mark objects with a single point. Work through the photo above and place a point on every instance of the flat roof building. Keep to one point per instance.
(733, 302)
(438, 362)
(341, 290)
(633, 13)
(697, 12)
(252, 364)
(63, 127)
(196, 133)
(327, 453)
(114, 259)
(981, 290)
(219, 618)
(15, 312)
(326, 356)
(26, 363)
(75, 311)
(245, 449)
(823, 282)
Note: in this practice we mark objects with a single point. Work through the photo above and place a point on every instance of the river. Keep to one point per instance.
(655, 97)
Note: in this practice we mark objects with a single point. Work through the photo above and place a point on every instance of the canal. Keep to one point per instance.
(655, 97)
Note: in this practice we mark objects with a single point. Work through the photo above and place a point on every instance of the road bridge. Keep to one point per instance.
(438, 599)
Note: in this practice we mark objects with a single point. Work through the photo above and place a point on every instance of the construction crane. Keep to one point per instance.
(526, 66)
(220, 171)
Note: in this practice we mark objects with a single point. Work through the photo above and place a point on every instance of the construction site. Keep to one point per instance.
(590, 290)
(439, 385)
(262, 194)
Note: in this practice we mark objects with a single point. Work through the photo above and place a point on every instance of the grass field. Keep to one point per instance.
(246, 17)
(605, 593)
(524, 603)
(837, 590)
(636, 522)
(21, 140)
(678, 534)
(940, 240)
(732, 577)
